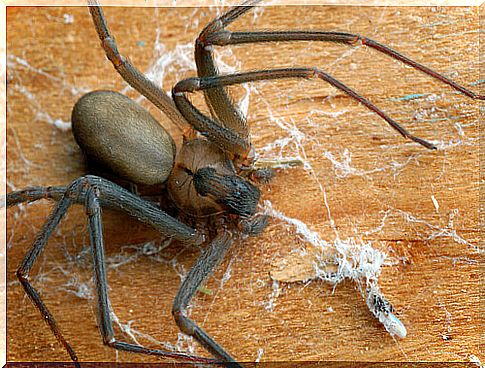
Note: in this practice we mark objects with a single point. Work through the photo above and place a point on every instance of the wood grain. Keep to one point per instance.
(420, 207)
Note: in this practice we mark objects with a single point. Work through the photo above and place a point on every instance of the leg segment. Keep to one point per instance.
(205, 124)
(218, 100)
(203, 267)
(93, 210)
(92, 192)
(34, 194)
(130, 74)
(29, 260)
(224, 38)
(114, 197)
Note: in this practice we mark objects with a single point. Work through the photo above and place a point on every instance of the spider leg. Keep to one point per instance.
(203, 267)
(93, 210)
(206, 125)
(130, 73)
(114, 197)
(224, 38)
(33, 194)
(220, 103)
(93, 192)
(29, 260)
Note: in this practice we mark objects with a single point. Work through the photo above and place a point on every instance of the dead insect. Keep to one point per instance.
(212, 174)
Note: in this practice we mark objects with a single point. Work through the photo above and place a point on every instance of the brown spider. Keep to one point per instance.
(218, 183)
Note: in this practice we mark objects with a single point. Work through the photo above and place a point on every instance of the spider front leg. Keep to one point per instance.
(223, 37)
(224, 137)
(94, 192)
(222, 106)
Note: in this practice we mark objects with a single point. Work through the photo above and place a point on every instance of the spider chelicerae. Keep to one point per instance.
(234, 149)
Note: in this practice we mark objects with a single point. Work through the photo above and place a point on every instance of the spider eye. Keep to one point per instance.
(231, 191)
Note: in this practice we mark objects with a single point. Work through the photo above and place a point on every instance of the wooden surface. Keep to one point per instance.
(420, 207)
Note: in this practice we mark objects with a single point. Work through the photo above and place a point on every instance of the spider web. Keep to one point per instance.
(376, 217)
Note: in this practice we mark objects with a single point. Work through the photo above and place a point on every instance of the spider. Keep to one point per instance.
(231, 146)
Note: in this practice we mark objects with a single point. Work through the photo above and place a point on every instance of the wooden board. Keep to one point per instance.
(420, 207)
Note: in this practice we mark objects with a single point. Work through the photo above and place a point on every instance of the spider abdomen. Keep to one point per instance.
(119, 134)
